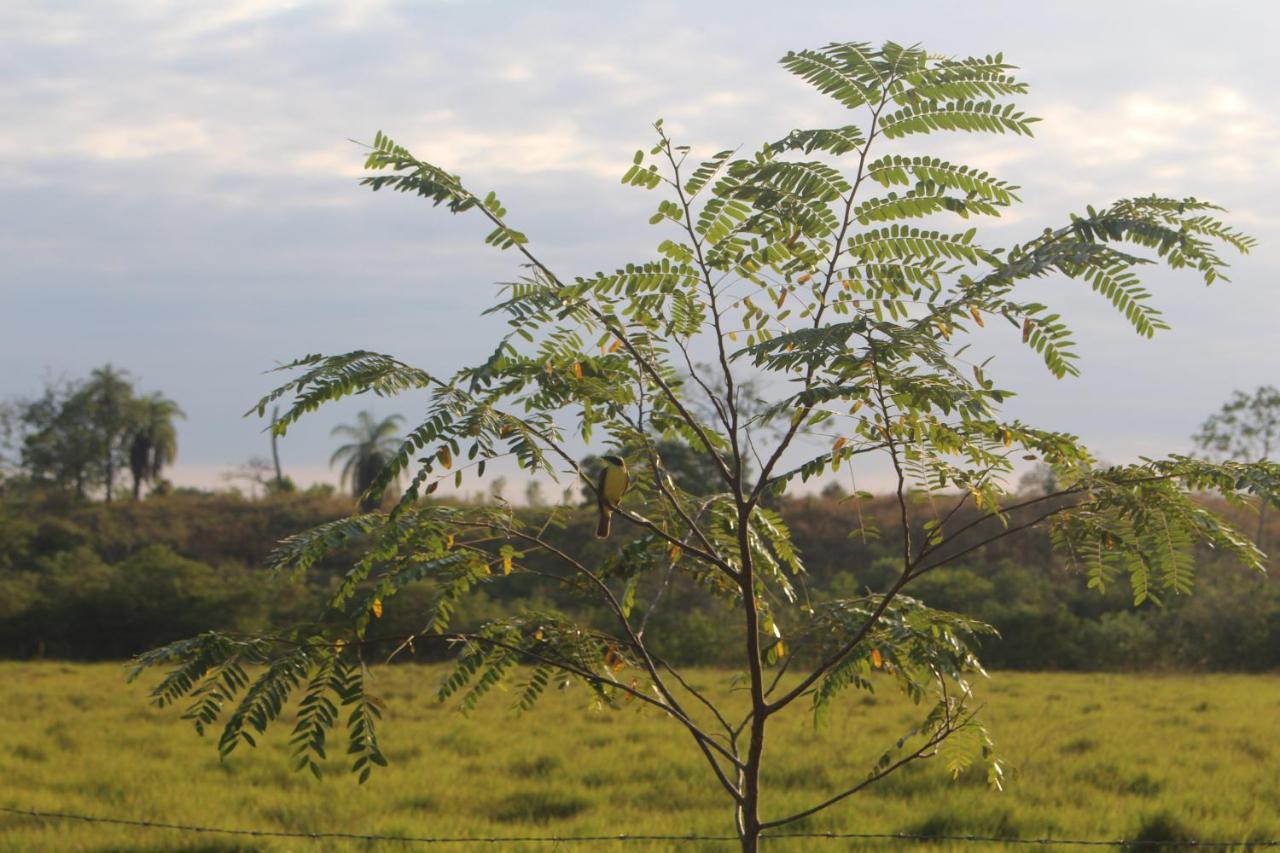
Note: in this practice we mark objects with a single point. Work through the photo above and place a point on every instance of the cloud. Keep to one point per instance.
(1209, 135)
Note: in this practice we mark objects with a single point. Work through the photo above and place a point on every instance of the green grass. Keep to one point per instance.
(1103, 756)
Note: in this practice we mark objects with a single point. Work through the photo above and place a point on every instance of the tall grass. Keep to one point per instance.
(1162, 758)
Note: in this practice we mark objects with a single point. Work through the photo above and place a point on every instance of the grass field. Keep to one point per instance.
(1090, 756)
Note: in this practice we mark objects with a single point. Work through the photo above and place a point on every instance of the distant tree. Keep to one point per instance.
(10, 429)
(283, 483)
(834, 491)
(61, 445)
(373, 444)
(1247, 427)
(257, 472)
(497, 486)
(790, 263)
(154, 442)
(80, 435)
(108, 395)
(1040, 480)
(533, 494)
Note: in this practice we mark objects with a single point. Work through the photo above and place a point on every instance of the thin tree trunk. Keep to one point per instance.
(1260, 538)
(749, 811)
(275, 452)
(137, 487)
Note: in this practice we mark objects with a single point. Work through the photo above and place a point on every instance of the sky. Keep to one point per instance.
(178, 182)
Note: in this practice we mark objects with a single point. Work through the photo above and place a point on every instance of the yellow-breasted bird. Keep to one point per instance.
(610, 486)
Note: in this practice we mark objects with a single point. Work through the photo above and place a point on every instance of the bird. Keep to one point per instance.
(610, 486)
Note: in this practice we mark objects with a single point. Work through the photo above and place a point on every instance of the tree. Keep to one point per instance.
(62, 443)
(109, 396)
(373, 444)
(792, 265)
(10, 429)
(155, 439)
(282, 483)
(80, 435)
(1246, 427)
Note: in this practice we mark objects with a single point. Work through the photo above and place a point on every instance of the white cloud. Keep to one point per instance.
(1219, 133)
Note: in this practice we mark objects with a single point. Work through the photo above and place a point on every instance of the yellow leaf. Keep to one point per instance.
(780, 649)
(549, 367)
(977, 316)
(802, 279)
(1026, 330)
(840, 442)
(537, 635)
(1008, 438)
(782, 297)
(613, 347)
(675, 553)
(377, 608)
(445, 457)
(506, 564)
(448, 541)
(339, 645)
(977, 499)
(577, 369)
(876, 660)
(942, 330)
(853, 410)
(733, 336)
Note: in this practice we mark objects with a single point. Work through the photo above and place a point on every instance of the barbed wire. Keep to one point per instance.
(627, 837)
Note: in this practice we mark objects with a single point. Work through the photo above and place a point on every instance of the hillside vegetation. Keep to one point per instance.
(93, 581)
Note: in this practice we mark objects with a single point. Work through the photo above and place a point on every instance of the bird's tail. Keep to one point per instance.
(606, 519)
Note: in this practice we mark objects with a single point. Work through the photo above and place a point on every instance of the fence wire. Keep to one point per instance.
(626, 837)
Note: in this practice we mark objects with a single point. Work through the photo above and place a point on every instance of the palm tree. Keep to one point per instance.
(155, 439)
(372, 445)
